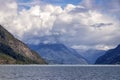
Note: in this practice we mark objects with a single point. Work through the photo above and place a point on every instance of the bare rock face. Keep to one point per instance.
(16, 50)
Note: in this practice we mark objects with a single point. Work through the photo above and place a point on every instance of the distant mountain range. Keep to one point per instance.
(13, 51)
(91, 55)
(58, 54)
(112, 56)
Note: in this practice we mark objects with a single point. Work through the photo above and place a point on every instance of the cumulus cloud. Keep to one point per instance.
(79, 29)
(74, 25)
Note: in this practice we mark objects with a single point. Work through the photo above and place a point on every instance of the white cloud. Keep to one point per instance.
(75, 25)
(87, 47)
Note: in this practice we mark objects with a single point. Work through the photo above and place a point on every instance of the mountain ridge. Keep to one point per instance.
(16, 50)
(58, 53)
(91, 55)
(112, 56)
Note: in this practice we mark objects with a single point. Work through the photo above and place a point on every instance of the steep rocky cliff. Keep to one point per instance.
(13, 51)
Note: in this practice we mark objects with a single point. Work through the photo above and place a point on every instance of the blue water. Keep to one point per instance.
(59, 72)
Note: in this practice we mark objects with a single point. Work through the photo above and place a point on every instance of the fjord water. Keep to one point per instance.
(59, 72)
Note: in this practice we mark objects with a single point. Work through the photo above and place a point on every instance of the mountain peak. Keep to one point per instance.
(58, 54)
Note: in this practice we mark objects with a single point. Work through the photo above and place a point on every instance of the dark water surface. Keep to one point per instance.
(59, 72)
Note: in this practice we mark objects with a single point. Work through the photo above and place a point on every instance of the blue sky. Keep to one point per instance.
(56, 1)
(61, 3)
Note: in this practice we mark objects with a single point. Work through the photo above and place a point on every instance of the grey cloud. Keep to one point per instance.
(79, 10)
(98, 25)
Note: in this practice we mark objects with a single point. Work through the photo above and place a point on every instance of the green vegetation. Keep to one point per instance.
(5, 59)
(10, 55)
(13, 51)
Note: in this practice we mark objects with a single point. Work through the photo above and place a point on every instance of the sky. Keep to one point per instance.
(80, 24)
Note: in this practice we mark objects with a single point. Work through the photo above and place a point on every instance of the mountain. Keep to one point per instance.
(91, 55)
(13, 51)
(112, 56)
(58, 54)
